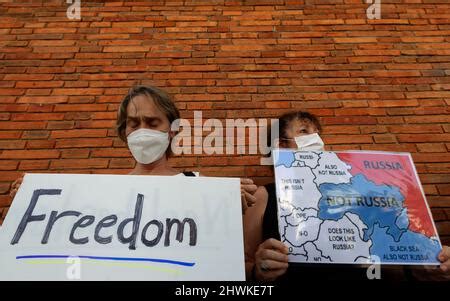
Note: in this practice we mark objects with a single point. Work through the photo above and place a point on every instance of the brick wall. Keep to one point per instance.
(376, 84)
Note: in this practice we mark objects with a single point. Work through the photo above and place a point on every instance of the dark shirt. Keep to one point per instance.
(316, 271)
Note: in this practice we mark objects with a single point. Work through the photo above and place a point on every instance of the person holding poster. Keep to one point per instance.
(144, 122)
(267, 257)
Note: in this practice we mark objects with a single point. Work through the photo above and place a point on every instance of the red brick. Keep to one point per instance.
(8, 165)
(431, 147)
(28, 165)
(429, 129)
(339, 139)
(428, 119)
(82, 142)
(431, 157)
(96, 124)
(394, 103)
(78, 133)
(75, 153)
(120, 30)
(54, 125)
(11, 91)
(37, 116)
(29, 154)
(104, 115)
(37, 144)
(423, 138)
(35, 134)
(130, 24)
(122, 163)
(434, 178)
(4, 187)
(428, 94)
(78, 163)
(25, 125)
(5, 200)
(80, 108)
(84, 91)
(10, 134)
(357, 40)
(348, 120)
(12, 144)
(111, 153)
(126, 49)
(5, 116)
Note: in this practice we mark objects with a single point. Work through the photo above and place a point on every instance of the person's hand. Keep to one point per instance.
(15, 186)
(444, 258)
(271, 260)
(248, 190)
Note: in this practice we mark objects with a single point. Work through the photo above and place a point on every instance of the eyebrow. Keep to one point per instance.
(147, 119)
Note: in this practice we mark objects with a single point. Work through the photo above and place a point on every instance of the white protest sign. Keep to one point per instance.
(114, 227)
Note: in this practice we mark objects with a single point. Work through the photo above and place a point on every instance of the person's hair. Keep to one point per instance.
(161, 99)
(284, 121)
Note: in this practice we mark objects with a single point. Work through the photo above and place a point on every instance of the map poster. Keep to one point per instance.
(353, 207)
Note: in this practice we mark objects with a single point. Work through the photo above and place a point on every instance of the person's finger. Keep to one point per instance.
(268, 254)
(17, 182)
(13, 192)
(445, 266)
(274, 264)
(251, 188)
(444, 254)
(243, 203)
(271, 275)
(250, 199)
(246, 181)
(272, 243)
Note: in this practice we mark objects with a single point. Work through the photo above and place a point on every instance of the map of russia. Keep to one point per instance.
(348, 207)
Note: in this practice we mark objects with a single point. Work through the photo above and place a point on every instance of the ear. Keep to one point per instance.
(172, 134)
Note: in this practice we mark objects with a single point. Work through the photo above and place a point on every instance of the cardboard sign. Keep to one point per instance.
(115, 227)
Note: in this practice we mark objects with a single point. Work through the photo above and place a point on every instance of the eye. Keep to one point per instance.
(132, 123)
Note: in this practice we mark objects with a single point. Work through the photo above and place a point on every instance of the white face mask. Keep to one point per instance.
(311, 142)
(147, 145)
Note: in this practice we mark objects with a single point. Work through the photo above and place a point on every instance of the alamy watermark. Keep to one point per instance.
(374, 270)
(73, 271)
(374, 9)
(73, 11)
(229, 138)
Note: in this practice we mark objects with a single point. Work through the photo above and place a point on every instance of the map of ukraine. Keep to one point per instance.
(353, 207)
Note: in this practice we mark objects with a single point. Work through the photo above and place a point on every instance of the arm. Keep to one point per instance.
(253, 220)
(248, 190)
(264, 260)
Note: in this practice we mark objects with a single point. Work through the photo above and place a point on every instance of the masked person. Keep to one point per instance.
(144, 123)
(266, 257)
